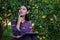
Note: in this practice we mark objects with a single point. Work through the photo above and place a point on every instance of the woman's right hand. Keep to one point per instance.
(20, 19)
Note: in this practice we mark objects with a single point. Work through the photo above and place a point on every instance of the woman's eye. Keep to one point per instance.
(23, 9)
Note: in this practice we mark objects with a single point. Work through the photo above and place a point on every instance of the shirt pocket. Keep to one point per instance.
(23, 28)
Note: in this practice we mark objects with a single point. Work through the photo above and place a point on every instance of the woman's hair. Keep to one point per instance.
(27, 15)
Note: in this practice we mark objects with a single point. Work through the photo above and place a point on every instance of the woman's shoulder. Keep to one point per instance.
(14, 21)
(28, 22)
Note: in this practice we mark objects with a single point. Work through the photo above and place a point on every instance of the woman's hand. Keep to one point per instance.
(13, 36)
(16, 36)
(20, 19)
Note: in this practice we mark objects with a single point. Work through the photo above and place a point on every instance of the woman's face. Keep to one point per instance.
(23, 10)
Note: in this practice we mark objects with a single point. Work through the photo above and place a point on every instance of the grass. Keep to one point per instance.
(7, 34)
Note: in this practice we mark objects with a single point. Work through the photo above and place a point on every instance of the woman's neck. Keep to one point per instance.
(23, 20)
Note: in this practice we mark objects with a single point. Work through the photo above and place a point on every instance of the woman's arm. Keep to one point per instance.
(29, 24)
(19, 22)
(28, 27)
(18, 25)
(14, 29)
(13, 23)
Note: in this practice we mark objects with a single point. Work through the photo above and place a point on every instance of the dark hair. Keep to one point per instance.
(27, 15)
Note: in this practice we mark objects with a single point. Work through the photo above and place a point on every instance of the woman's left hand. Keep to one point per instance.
(13, 36)
(18, 36)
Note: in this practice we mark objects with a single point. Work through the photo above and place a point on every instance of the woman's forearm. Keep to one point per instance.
(18, 25)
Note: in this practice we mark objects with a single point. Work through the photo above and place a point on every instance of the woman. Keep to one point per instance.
(22, 24)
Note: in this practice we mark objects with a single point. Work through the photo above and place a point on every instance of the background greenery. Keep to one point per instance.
(44, 15)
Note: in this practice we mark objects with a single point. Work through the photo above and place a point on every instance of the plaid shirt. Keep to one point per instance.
(24, 27)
